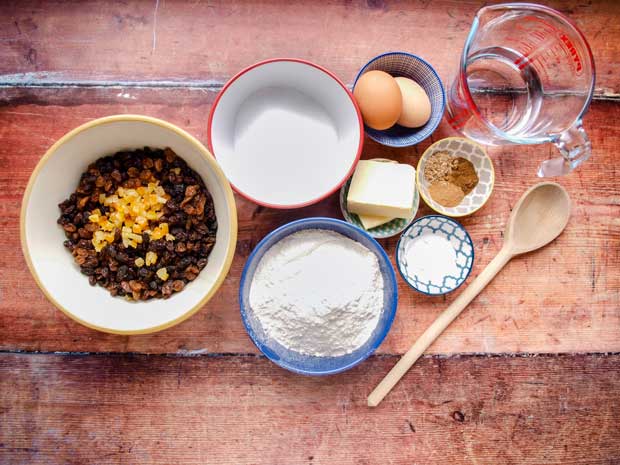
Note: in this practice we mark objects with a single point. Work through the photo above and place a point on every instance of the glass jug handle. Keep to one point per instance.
(575, 147)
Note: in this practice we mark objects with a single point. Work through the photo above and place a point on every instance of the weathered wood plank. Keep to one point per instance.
(232, 410)
(210, 41)
(565, 298)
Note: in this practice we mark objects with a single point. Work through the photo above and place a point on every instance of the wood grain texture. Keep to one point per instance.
(43, 42)
(65, 63)
(565, 298)
(244, 410)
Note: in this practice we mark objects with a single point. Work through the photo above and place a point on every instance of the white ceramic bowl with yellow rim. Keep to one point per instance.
(477, 155)
(56, 176)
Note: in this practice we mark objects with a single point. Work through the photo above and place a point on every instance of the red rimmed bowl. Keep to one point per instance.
(286, 132)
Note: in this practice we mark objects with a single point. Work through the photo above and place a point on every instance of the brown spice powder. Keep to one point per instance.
(463, 174)
(450, 178)
(446, 193)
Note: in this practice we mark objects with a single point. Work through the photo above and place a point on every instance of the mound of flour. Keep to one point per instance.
(318, 292)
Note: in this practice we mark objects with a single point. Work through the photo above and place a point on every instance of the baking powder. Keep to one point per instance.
(318, 292)
(431, 257)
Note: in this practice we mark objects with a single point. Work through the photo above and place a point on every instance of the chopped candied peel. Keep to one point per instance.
(131, 211)
(151, 258)
(162, 274)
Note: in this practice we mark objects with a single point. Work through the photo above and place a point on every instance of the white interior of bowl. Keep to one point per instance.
(54, 265)
(285, 133)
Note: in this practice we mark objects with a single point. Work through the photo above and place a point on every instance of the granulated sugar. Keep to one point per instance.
(318, 292)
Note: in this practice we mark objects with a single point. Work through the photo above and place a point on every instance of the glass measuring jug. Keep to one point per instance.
(526, 76)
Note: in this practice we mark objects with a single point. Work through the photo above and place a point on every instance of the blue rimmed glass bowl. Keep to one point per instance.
(308, 364)
(415, 68)
(458, 238)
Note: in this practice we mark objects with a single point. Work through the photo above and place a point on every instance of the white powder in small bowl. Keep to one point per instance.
(318, 292)
(431, 257)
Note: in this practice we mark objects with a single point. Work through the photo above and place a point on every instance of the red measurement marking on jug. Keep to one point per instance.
(573, 52)
(540, 41)
(463, 113)
(459, 119)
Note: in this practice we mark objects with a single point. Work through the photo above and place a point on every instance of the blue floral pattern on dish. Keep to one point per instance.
(458, 237)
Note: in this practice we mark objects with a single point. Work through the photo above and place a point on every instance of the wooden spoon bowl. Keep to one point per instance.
(539, 217)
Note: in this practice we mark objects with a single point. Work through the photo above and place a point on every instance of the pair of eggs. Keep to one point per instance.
(385, 101)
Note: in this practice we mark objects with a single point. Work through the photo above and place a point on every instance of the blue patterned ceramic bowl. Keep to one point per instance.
(415, 68)
(449, 279)
(309, 364)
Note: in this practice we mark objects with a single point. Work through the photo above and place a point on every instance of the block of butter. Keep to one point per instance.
(372, 221)
(382, 189)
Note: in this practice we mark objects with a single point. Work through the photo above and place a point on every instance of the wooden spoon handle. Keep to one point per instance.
(438, 327)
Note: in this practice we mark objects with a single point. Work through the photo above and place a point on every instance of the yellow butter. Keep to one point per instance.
(372, 221)
(382, 189)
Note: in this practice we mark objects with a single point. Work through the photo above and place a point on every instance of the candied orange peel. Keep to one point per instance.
(162, 274)
(150, 259)
(132, 212)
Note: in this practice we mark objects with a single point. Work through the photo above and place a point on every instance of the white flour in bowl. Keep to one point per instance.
(318, 292)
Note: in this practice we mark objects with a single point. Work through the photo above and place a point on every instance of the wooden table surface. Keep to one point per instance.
(530, 374)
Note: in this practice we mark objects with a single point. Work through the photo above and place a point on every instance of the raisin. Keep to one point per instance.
(170, 155)
(121, 273)
(189, 213)
(135, 285)
(166, 289)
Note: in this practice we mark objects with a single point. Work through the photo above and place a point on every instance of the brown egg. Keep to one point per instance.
(379, 99)
(416, 104)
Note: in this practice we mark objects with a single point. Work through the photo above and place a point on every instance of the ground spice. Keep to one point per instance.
(438, 167)
(463, 174)
(446, 193)
(450, 178)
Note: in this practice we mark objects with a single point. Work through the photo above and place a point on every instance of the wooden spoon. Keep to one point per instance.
(539, 216)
